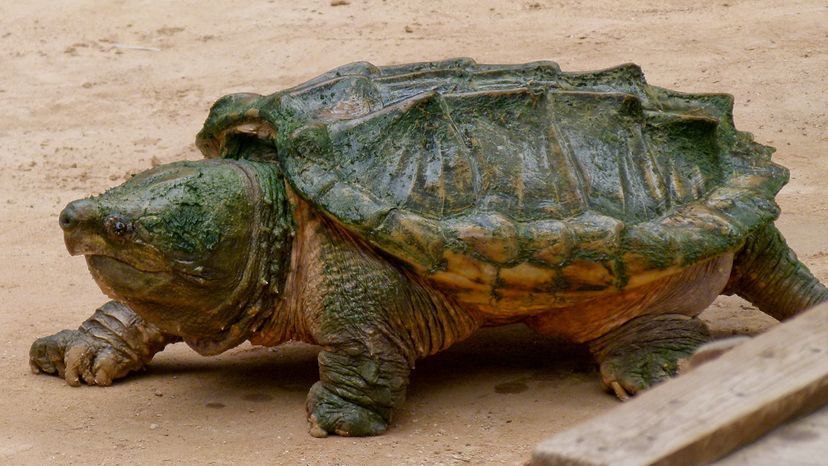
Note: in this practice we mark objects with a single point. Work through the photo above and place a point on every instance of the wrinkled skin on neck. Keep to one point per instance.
(189, 246)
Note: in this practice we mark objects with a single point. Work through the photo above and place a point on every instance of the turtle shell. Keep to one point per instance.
(513, 178)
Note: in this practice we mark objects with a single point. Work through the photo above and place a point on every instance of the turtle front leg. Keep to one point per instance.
(357, 391)
(367, 350)
(646, 351)
(373, 321)
(109, 345)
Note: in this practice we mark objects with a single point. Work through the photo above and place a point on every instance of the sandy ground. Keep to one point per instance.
(92, 91)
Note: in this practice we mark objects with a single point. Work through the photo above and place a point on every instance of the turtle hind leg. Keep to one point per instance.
(646, 350)
(767, 273)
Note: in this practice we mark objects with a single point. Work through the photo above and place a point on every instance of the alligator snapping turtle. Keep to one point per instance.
(386, 213)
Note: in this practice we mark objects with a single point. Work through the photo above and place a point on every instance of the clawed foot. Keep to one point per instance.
(629, 373)
(646, 351)
(112, 343)
(329, 413)
(77, 356)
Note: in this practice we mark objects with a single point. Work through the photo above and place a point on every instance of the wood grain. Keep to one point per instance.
(803, 442)
(707, 413)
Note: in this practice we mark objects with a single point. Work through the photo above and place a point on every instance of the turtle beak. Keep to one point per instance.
(79, 221)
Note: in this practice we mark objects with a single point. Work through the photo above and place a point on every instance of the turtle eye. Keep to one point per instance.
(118, 226)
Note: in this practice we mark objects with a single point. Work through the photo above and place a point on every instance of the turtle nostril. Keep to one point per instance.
(76, 213)
(67, 219)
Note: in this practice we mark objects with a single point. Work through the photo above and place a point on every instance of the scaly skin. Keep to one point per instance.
(767, 273)
(646, 351)
(109, 345)
(372, 320)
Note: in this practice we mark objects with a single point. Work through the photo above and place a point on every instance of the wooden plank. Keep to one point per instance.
(803, 442)
(707, 413)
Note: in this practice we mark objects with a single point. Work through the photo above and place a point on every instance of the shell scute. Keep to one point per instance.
(547, 242)
(412, 156)
(487, 235)
(342, 98)
(417, 238)
(602, 133)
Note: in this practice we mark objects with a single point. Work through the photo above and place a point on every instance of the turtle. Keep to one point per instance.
(386, 213)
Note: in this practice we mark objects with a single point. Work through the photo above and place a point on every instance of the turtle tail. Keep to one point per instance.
(767, 273)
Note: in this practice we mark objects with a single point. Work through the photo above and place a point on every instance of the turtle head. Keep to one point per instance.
(181, 244)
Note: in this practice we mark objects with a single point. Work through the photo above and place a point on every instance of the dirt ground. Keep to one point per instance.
(92, 91)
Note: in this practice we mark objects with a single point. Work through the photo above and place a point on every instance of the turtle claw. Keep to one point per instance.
(619, 391)
(315, 430)
(628, 374)
(47, 353)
